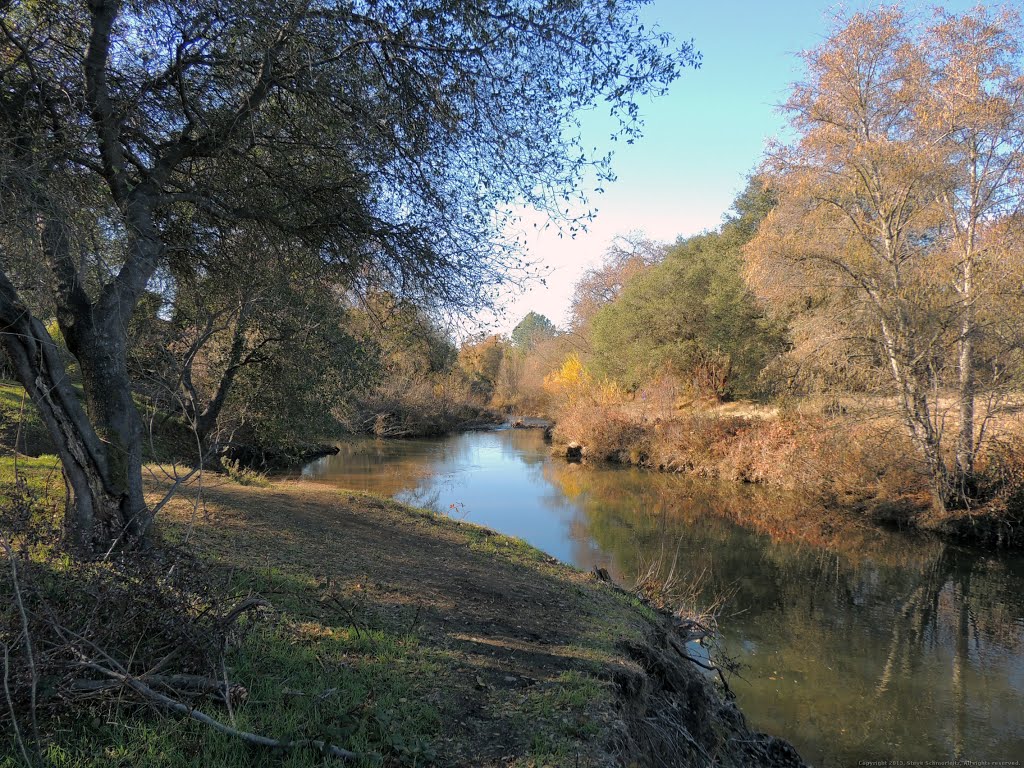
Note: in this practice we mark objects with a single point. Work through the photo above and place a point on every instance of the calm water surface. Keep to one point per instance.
(857, 644)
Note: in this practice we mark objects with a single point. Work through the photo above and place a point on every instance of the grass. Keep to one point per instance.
(551, 714)
(19, 421)
(358, 690)
(385, 665)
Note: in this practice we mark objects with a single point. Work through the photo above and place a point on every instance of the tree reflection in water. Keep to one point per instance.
(859, 643)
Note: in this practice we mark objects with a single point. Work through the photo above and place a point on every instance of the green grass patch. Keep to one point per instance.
(20, 424)
(345, 656)
(40, 476)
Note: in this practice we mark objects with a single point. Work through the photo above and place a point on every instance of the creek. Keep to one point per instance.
(856, 644)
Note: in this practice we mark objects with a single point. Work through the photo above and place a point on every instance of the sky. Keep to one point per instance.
(700, 141)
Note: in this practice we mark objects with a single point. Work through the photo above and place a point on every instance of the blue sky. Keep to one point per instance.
(701, 139)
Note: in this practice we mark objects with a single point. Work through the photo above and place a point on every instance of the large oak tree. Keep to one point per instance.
(392, 135)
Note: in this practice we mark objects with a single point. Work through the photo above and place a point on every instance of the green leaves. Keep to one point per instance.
(691, 316)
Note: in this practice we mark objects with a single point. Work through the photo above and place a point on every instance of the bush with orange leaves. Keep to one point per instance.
(856, 465)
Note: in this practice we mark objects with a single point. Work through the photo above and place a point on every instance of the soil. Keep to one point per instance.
(513, 622)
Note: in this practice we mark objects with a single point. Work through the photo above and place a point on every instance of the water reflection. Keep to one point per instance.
(859, 644)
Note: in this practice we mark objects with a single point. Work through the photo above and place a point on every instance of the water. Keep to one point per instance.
(857, 644)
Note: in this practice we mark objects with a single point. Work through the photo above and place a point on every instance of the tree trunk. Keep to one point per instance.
(916, 410)
(964, 481)
(206, 422)
(101, 351)
(926, 440)
(107, 509)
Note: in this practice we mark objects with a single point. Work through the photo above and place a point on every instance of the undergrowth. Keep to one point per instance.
(835, 462)
(74, 631)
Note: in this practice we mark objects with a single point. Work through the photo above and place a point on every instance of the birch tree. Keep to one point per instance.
(971, 113)
(905, 166)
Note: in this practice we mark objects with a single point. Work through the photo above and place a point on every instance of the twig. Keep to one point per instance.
(30, 656)
(227, 691)
(17, 436)
(193, 684)
(156, 697)
(10, 704)
(349, 613)
(709, 667)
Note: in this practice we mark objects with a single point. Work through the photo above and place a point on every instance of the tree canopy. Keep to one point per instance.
(532, 329)
(691, 315)
(625, 258)
(900, 202)
(390, 141)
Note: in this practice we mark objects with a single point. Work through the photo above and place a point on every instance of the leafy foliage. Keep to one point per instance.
(624, 259)
(691, 316)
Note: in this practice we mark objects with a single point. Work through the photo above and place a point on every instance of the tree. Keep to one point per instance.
(624, 259)
(391, 138)
(896, 201)
(247, 350)
(408, 341)
(691, 315)
(531, 330)
(519, 387)
(971, 111)
(480, 360)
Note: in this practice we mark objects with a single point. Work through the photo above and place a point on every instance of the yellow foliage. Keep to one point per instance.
(574, 384)
(571, 381)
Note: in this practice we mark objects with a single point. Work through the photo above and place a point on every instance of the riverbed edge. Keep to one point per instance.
(992, 525)
(656, 704)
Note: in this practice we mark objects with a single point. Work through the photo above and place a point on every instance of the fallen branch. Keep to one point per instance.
(155, 697)
(250, 603)
(10, 705)
(193, 684)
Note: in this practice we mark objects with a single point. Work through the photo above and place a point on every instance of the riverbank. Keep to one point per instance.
(416, 413)
(848, 463)
(424, 640)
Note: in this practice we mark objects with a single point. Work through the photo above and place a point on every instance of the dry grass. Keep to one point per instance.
(849, 455)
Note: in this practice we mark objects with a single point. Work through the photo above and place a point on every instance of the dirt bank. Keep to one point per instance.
(518, 659)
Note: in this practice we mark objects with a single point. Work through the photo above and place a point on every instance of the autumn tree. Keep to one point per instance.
(480, 360)
(395, 136)
(894, 202)
(971, 113)
(520, 385)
